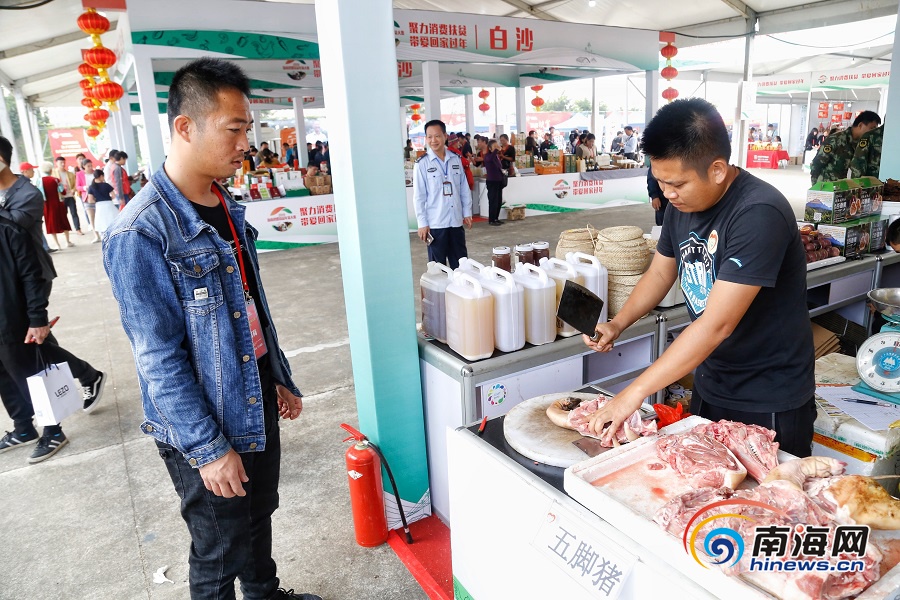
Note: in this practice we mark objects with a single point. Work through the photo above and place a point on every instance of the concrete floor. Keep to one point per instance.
(98, 519)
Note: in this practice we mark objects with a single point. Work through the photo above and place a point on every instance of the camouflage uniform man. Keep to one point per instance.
(867, 158)
(833, 159)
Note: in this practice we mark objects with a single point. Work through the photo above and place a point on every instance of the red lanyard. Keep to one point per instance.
(237, 242)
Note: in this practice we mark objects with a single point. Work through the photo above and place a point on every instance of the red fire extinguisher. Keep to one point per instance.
(366, 492)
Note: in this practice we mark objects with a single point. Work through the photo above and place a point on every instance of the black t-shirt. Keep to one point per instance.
(509, 156)
(215, 216)
(749, 237)
(102, 192)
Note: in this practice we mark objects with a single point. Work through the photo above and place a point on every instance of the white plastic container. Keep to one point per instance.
(509, 308)
(561, 271)
(470, 267)
(433, 287)
(470, 318)
(596, 277)
(540, 304)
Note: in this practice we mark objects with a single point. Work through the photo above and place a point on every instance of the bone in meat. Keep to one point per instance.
(753, 445)
(701, 460)
(631, 429)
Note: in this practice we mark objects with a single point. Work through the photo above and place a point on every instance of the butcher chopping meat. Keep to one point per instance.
(573, 414)
(731, 243)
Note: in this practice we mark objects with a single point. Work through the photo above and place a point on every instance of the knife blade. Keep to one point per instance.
(589, 446)
(581, 308)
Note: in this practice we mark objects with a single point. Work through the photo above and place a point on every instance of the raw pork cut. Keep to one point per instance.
(633, 427)
(701, 460)
(797, 472)
(753, 445)
(860, 499)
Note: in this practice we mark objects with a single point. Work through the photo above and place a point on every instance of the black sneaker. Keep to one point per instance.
(283, 594)
(91, 393)
(48, 446)
(14, 440)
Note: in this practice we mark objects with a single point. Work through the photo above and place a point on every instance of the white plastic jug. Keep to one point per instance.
(509, 308)
(470, 267)
(433, 287)
(561, 271)
(470, 318)
(596, 277)
(540, 303)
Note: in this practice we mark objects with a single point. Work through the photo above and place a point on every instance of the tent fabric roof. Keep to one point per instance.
(40, 48)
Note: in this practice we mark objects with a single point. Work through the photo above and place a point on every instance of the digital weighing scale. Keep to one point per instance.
(878, 359)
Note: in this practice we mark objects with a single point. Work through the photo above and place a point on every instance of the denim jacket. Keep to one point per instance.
(182, 305)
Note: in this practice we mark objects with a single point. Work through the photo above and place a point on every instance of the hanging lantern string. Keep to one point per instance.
(669, 51)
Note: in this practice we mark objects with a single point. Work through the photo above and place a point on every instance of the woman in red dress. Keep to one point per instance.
(56, 220)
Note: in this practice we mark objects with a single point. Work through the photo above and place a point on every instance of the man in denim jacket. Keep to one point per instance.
(184, 270)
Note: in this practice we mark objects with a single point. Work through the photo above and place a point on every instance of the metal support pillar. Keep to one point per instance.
(370, 196)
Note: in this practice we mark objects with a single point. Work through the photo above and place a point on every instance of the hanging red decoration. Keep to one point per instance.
(88, 102)
(537, 102)
(536, 88)
(669, 73)
(669, 51)
(99, 58)
(86, 70)
(93, 132)
(483, 94)
(416, 117)
(109, 92)
(484, 107)
(97, 114)
(415, 107)
(87, 87)
(92, 23)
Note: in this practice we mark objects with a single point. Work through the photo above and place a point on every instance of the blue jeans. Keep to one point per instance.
(231, 537)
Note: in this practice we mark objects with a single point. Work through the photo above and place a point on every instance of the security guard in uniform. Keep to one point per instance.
(836, 152)
(867, 158)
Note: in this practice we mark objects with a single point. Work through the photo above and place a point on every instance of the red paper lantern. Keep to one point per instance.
(537, 102)
(92, 22)
(100, 58)
(670, 94)
(93, 132)
(87, 87)
(86, 70)
(97, 114)
(669, 73)
(87, 103)
(483, 94)
(668, 51)
(484, 107)
(415, 106)
(416, 117)
(536, 88)
(108, 91)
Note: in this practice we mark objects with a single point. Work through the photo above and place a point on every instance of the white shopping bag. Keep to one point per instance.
(54, 394)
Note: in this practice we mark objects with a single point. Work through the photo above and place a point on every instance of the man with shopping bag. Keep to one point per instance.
(23, 323)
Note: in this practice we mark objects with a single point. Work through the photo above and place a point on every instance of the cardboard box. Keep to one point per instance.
(878, 226)
(871, 190)
(851, 238)
(833, 202)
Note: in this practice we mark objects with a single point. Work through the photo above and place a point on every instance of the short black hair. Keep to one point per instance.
(691, 130)
(121, 155)
(111, 152)
(113, 155)
(866, 117)
(504, 136)
(59, 158)
(590, 137)
(893, 234)
(6, 151)
(266, 144)
(98, 173)
(532, 132)
(627, 127)
(195, 85)
(436, 122)
(490, 143)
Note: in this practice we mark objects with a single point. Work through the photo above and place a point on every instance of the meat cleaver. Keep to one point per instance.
(590, 446)
(580, 308)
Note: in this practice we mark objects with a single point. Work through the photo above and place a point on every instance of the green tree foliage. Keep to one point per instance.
(566, 104)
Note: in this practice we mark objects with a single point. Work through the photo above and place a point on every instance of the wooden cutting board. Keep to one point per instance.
(530, 433)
